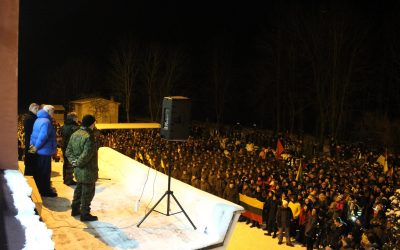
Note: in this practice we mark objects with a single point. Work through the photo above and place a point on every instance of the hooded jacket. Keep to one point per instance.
(44, 134)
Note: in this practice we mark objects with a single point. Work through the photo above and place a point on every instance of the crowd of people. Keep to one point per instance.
(337, 201)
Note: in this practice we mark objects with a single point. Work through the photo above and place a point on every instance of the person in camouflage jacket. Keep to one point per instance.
(70, 126)
(82, 153)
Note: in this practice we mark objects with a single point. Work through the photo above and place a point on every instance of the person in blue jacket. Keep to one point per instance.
(44, 144)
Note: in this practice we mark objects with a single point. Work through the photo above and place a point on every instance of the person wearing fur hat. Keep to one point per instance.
(82, 153)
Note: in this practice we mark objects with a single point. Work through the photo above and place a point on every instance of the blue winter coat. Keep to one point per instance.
(44, 134)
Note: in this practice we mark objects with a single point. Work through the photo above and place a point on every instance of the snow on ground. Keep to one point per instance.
(121, 184)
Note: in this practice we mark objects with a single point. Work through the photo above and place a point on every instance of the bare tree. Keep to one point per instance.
(99, 107)
(152, 71)
(163, 69)
(333, 45)
(124, 71)
(278, 92)
(221, 70)
(72, 79)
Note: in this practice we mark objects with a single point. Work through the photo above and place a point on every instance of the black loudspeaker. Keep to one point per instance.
(175, 118)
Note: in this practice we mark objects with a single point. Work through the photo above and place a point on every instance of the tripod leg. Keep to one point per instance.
(151, 210)
(183, 210)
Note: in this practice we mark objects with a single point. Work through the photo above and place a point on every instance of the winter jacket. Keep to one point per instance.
(273, 209)
(44, 134)
(29, 120)
(311, 226)
(283, 217)
(82, 148)
(67, 130)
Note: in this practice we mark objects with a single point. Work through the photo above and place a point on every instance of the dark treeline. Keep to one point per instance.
(320, 67)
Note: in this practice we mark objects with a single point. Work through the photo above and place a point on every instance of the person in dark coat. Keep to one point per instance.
(82, 153)
(220, 185)
(30, 160)
(266, 209)
(185, 177)
(284, 216)
(44, 144)
(311, 229)
(271, 219)
(337, 231)
(70, 126)
(204, 185)
(230, 193)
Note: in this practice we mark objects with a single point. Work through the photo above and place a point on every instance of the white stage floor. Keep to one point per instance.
(114, 204)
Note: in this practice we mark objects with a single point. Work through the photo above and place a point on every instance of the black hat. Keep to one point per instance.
(88, 120)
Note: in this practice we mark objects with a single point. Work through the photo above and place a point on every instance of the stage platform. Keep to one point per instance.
(120, 186)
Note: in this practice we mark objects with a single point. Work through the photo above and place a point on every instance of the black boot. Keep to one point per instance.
(88, 217)
(75, 211)
(70, 183)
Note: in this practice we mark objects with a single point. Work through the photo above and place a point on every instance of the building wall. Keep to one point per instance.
(9, 83)
(108, 114)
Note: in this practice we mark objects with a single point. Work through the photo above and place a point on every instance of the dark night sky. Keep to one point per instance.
(51, 32)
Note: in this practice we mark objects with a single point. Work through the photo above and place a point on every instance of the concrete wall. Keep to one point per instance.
(9, 12)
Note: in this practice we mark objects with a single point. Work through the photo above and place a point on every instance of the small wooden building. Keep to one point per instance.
(105, 111)
(59, 114)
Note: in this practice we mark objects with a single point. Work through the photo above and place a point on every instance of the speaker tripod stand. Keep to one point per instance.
(169, 193)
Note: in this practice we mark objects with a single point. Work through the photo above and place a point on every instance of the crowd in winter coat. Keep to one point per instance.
(341, 195)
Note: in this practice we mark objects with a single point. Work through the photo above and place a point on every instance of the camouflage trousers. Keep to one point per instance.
(83, 196)
(68, 171)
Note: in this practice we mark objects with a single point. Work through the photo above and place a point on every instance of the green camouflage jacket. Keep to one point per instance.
(66, 131)
(82, 148)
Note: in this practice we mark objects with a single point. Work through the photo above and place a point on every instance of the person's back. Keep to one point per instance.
(83, 149)
(67, 130)
(43, 136)
(82, 153)
(29, 120)
(43, 143)
(69, 127)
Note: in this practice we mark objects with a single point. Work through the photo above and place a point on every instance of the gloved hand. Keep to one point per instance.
(32, 149)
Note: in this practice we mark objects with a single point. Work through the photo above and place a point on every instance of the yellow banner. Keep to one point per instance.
(251, 201)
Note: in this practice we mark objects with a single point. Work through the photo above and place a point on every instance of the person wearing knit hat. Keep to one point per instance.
(88, 120)
(82, 153)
